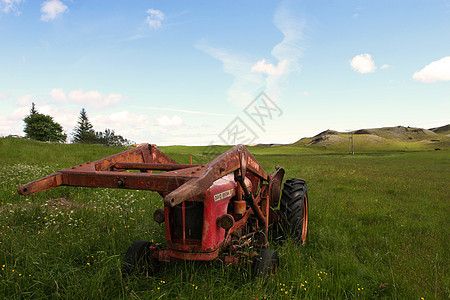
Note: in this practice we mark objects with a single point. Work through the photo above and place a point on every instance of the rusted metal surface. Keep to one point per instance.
(275, 182)
(152, 166)
(274, 192)
(164, 182)
(226, 163)
(42, 184)
(305, 220)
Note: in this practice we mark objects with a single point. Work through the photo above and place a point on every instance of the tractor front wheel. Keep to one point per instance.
(138, 259)
(265, 263)
(294, 209)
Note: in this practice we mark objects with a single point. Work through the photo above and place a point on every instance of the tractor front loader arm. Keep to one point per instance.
(46, 183)
(234, 159)
(179, 183)
(109, 172)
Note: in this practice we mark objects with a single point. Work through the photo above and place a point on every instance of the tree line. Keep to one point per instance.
(43, 128)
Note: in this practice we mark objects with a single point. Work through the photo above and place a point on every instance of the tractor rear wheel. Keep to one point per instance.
(294, 209)
(138, 259)
(265, 263)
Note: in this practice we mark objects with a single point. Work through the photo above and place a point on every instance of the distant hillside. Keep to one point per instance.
(442, 129)
(385, 138)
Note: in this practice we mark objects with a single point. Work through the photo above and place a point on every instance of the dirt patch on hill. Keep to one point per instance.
(361, 131)
(327, 140)
(403, 133)
(326, 132)
(442, 129)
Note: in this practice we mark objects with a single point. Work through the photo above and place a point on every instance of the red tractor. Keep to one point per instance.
(222, 209)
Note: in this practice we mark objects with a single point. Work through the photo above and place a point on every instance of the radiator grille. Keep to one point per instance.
(188, 216)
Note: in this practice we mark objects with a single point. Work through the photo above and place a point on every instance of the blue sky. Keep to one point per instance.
(202, 72)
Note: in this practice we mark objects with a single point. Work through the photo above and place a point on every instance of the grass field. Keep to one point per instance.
(379, 228)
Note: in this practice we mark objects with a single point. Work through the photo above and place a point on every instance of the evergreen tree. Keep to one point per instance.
(109, 138)
(33, 109)
(84, 131)
(42, 127)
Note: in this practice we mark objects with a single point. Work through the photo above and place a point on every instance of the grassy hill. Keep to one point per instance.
(443, 129)
(397, 138)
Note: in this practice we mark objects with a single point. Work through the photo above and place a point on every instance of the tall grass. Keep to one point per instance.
(378, 229)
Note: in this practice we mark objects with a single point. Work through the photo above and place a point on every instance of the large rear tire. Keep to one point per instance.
(138, 259)
(294, 209)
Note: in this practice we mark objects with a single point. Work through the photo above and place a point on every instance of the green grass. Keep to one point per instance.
(378, 229)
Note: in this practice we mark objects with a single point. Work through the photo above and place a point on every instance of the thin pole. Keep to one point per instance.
(349, 142)
(353, 152)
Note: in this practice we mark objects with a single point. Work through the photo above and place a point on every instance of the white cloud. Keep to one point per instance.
(357, 11)
(51, 9)
(24, 100)
(166, 123)
(90, 98)
(269, 69)
(120, 121)
(438, 70)
(154, 18)
(58, 94)
(19, 113)
(290, 48)
(135, 127)
(250, 77)
(289, 51)
(233, 64)
(8, 127)
(363, 63)
(385, 66)
(10, 6)
(112, 99)
(246, 83)
(194, 112)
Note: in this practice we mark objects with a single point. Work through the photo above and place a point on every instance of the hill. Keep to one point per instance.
(398, 138)
(443, 129)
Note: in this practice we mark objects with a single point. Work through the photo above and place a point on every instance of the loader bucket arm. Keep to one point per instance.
(179, 183)
(107, 172)
(236, 158)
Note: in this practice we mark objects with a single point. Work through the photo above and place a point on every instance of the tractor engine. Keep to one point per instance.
(198, 225)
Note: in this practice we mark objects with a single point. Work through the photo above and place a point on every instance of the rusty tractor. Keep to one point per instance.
(222, 209)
